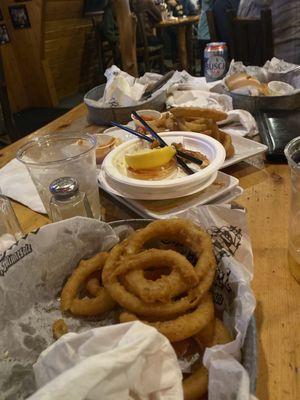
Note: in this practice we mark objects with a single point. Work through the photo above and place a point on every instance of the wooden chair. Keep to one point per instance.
(25, 121)
(146, 53)
(212, 28)
(251, 38)
(106, 55)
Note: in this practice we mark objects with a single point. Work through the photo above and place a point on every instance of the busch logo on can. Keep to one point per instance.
(215, 57)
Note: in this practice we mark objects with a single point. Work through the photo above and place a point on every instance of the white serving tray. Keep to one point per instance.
(160, 209)
(244, 148)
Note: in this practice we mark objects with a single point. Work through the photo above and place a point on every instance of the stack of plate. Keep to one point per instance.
(166, 198)
(114, 173)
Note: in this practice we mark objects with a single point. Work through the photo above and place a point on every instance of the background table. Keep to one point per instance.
(184, 28)
(266, 197)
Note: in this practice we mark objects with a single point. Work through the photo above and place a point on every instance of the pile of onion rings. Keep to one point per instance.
(161, 275)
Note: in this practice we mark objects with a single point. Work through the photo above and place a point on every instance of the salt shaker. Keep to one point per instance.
(67, 201)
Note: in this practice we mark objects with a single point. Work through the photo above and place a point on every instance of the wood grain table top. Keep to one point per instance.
(178, 21)
(266, 198)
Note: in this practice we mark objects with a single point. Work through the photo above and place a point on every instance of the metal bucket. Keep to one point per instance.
(96, 115)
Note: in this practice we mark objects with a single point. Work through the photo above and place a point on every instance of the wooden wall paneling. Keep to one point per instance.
(63, 9)
(50, 81)
(25, 53)
(70, 47)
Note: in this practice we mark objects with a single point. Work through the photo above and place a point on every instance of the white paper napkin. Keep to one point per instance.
(124, 361)
(16, 183)
(239, 122)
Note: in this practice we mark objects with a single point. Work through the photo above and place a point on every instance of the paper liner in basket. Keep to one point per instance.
(33, 271)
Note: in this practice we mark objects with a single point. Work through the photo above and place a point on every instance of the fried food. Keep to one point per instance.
(183, 326)
(93, 287)
(199, 120)
(227, 143)
(196, 384)
(187, 112)
(161, 289)
(162, 275)
(181, 231)
(213, 334)
(59, 328)
(86, 306)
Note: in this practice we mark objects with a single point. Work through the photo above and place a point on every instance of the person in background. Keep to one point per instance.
(151, 16)
(220, 8)
(179, 8)
(189, 7)
(286, 25)
(203, 31)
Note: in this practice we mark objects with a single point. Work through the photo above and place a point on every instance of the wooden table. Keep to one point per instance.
(184, 28)
(266, 197)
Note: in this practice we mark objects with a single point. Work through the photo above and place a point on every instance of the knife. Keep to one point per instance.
(157, 85)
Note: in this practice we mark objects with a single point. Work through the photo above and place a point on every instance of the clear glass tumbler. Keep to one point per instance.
(292, 153)
(62, 154)
(10, 230)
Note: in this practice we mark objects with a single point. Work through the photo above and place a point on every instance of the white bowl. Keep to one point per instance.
(278, 88)
(115, 166)
(105, 144)
(148, 116)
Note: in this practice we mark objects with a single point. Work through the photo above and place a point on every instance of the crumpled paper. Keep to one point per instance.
(124, 361)
(239, 122)
(33, 271)
(178, 97)
(123, 90)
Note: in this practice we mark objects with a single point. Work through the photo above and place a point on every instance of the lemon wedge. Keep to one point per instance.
(150, 158)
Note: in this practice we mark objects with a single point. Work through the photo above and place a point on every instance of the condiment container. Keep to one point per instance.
(67, 201)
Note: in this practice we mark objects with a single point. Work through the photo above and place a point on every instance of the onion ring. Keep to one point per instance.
(134, 304)
(184, 326)
(161, 291)
(196, 384)
(93, 287)
(86, 306)
(179, 230)
(220, 335)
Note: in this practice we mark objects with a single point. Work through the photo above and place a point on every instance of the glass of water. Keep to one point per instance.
(292, 153)
(10, 231)
(59, 155)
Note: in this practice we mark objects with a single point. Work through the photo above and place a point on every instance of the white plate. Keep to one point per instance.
(223, 185)
(115, 166)
(244, 148)
(136, 193)
(115, 130)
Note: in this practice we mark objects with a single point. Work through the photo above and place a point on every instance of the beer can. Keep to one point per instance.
(215, 61)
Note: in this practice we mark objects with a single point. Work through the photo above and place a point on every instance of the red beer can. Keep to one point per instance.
(216, 61)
